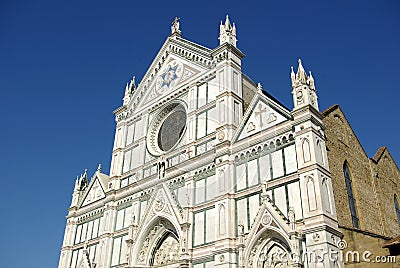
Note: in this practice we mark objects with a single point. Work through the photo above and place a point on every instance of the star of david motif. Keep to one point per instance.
(169, 76)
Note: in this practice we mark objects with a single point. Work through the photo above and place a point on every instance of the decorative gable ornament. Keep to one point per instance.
(262, 115)
(95, 193)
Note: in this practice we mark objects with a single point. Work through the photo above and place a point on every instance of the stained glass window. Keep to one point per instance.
(396, 205)
(172, 128)
(352, 200)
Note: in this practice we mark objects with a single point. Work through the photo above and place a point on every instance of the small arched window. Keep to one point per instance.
(350, 195)
(396, 205)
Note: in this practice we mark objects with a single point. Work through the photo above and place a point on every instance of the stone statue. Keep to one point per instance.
(264, 188)
(241, 228)
(161, 168)
(175, 26)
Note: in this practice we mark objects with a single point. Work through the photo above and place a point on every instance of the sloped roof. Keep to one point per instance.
(330, 109)
(379, 153)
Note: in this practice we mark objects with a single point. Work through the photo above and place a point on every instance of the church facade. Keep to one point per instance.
(208, 170)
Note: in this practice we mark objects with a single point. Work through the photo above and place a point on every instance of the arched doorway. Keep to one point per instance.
(159, 246)
(166, 252)
(269, 249)
(274, 254)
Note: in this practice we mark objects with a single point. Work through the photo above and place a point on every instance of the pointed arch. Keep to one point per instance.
(266, 248)
(159, 234)
(306, 150)
(312, 199)
(397, 208)
(352, 201)
(166, 250)
(276, 256)
(326, 195)
(320, 154)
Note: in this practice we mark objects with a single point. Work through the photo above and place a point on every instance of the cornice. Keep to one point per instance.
(227, 47)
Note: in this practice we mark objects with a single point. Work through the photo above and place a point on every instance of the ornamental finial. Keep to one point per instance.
(227, 23)
(292, 75)
(301, 73)
(311, 81)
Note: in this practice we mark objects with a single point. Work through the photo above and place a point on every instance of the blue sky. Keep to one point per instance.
(64, 66)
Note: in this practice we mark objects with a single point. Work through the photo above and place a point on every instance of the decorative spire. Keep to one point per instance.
(175, 27)
(76, 187)
(129, 89)
(227, 32)
(126, 89)
(259, 87)
(99, 168)
(227, 23)
(83, 182)
(301, 78)
(292, 75)
(132, 85)
(301, 73)
(303, 86)
(311, 81)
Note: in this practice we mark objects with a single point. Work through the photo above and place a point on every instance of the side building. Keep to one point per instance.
(365, 189)
(208, 170)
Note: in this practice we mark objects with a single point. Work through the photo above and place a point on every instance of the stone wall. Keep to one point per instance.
(362, 242)
(374, 181)
(387, 177)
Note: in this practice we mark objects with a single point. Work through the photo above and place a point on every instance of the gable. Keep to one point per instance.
(177, 62)
(263, 114)
(95, 192)
(85, 261)
(338, 128)
(161, 203)
(174, 73)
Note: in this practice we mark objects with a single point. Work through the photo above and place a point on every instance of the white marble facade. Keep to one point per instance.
(207, 170)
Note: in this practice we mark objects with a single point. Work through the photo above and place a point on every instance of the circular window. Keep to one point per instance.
(172, 128)
(167, 128)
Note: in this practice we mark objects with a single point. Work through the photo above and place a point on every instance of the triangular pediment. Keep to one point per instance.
(162, 204)
(268, 217)
(84, 260)
(178, 62)
(161, 212)
(268, 229)
(174, 74)
(94, 192)
(262, 115)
